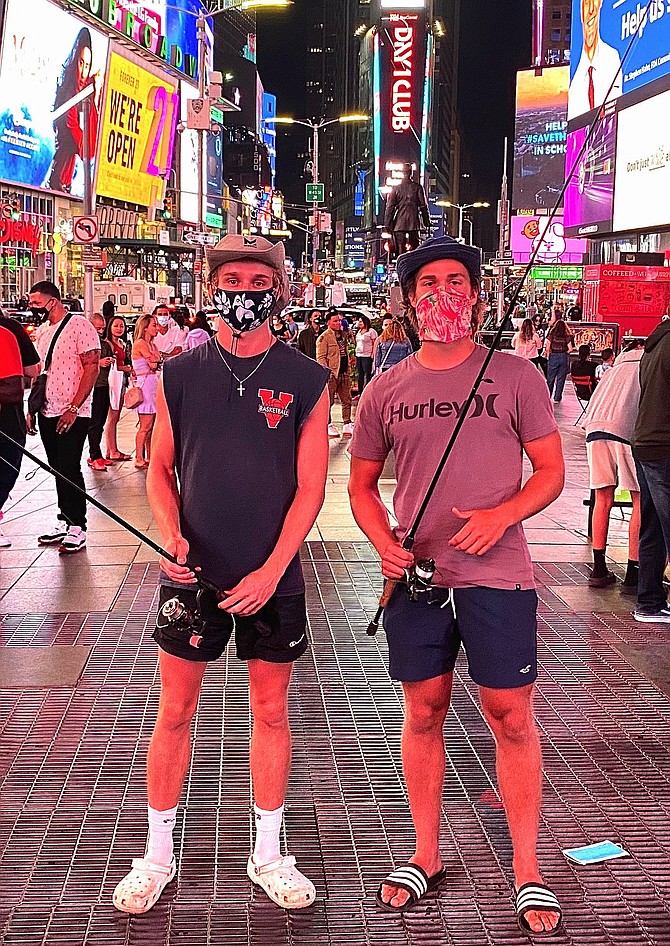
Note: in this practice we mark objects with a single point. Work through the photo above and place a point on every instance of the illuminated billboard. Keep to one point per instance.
(601, 34)
(642, 193)
(540, 139)
(49, 61)
(402, 74)
(165, 28)
(531, 233)
(138, 125)
(188, 164)
(589, 199)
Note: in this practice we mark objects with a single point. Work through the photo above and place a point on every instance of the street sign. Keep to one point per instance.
(315, 193)
(501, 261)
(200, 238)
(557, 273)
(94, 256)
(86, 230)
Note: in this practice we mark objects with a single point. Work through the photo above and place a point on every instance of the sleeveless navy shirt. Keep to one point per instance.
(236, 456)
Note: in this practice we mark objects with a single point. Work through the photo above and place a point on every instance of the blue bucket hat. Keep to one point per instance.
(435, 249)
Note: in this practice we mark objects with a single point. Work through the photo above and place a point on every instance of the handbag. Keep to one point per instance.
(133, 397)
(380, 369)
(37, 398)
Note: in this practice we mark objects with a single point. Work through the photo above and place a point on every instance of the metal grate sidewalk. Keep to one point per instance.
(72, 811)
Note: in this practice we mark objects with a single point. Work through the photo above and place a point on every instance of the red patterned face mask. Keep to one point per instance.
(444, 316)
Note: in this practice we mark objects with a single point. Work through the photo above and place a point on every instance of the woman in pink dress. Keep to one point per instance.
(147, 363)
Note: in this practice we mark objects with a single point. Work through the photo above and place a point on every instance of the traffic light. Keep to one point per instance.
(168, 208)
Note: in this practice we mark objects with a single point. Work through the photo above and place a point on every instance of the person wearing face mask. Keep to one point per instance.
(237, 477)
(171, 337)
(483, 590)
(100, 403)
(69, 348)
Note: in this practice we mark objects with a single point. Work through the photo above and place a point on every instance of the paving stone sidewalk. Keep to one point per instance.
(72, 757)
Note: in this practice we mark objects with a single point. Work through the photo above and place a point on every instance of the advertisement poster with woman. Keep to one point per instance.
(51, 61)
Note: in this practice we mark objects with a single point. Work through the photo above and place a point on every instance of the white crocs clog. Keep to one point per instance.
(283, 882)
(140, 889)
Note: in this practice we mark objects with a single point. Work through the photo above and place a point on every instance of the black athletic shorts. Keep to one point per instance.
(498, 629)
(277, 633)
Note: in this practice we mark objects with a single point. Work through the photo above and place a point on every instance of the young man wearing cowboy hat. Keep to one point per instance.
(237, 477)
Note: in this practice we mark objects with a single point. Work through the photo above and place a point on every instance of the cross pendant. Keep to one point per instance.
(241, 389)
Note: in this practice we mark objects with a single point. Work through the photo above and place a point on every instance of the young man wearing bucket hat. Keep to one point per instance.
(237, 477)
(483, 593)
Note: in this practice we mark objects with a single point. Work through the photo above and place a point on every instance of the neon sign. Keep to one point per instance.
(172, 38)
(20, 231)
(403, 73)
(402, 78)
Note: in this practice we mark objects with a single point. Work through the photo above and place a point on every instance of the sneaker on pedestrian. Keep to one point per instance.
(74, 541)
(601, 581)
(98, 465)
(333, 431)
(662, 616)
(348, 430)
(54, 535)
(5, 541)
(628, 590)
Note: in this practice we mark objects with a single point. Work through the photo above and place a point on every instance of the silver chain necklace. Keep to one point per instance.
(241, 381)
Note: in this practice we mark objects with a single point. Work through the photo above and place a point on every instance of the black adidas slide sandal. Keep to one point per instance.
(530, 897)
(414, 880)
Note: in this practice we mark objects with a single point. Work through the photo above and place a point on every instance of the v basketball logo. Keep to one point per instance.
(274, 408)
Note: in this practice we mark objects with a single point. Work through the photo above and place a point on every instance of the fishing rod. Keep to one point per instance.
(201, 580)
(408, 542)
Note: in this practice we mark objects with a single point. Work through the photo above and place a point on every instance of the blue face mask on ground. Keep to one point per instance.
(244, 311)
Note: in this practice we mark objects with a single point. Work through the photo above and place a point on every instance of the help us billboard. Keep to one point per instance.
(50, 62)
(538, 233)
(602, 31)
(540, 138)
(138, 127)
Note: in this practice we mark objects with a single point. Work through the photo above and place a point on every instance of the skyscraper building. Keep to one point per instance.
(444, 171)
(552, 26)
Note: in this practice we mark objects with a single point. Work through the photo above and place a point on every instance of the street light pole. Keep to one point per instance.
(461, 208)
(316, 236)
(202, 65)
(315, 128)
(503, 220)
(88, 200)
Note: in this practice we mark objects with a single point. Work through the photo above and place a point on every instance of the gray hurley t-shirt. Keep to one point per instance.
(236, 455)
(411, 411)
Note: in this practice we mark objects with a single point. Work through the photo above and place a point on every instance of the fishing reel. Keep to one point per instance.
(420, 580)
(186, 621)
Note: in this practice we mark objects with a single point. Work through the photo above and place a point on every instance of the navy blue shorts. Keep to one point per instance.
(277, 633)
(498, 629)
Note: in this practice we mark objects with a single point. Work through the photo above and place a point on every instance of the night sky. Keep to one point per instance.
(495, 42)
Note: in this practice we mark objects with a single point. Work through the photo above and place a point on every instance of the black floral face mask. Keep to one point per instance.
(244, 311)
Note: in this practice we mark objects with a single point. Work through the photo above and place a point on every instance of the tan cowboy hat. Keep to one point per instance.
(237, 246)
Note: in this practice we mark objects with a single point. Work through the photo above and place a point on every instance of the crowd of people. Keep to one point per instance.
(91, 370)
(246, 537)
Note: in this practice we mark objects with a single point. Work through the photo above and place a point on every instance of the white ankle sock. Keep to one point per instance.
(159, 845)
(268, 826)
